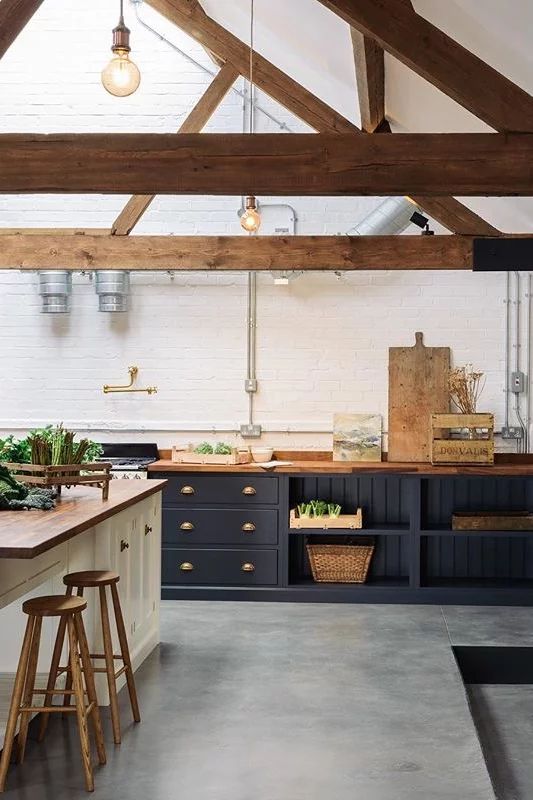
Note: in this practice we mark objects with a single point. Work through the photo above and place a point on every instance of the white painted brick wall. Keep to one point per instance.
(322, 341)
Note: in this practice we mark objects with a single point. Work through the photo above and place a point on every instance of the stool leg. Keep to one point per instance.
(28, 689)
(52, 677)
(79, 697)
(16, 698)
(91, 689)
(110, 666)
(68, 679)
(125, 651)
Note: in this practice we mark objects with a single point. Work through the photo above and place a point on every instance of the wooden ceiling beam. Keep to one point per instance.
(14, 16)
(197, 119)
(281, 87)
(370, 77)
(441, 60)
(467, 164)
(194, 21)
(235, 253)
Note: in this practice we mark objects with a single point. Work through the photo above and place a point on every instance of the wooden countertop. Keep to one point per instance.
(322, 463)
(26, 534)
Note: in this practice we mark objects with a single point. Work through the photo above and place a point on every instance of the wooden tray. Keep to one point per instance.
(344, 522)
(50, 477)
(492, 521)
(182, 455)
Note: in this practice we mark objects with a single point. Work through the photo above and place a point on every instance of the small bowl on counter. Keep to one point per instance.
(262, 454)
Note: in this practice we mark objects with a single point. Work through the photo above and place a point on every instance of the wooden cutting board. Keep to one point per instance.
(418, 387)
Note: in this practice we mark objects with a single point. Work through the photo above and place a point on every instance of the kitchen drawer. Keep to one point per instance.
(188, 527)
(243, 490)
(220, 567)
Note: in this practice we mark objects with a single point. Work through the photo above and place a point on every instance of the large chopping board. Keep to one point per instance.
(418, 387)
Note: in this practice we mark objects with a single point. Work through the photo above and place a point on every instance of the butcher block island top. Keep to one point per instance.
(26, 534)
(506, 464)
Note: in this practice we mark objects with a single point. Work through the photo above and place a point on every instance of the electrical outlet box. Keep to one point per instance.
(518, 382)
(250, 385)
(512, 432)
(251, 431)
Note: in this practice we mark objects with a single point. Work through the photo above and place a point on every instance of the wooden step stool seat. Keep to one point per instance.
(101, 579)
(69, 610)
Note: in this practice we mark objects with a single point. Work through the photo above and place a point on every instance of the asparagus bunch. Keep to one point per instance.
(57, 446)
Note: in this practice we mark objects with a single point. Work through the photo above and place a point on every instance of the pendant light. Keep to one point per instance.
(251, 219)
(121, 77)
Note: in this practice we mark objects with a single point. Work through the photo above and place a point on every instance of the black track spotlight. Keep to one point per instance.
(420, 220)
(427, 231)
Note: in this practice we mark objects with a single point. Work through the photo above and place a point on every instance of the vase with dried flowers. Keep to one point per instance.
(465, 385)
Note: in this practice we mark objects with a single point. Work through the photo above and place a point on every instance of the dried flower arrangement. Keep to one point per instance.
(465, 386)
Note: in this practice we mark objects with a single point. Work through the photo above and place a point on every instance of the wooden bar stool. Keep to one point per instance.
(101, 579)
(69, 610)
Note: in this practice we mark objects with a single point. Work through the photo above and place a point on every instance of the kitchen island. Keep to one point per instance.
(83, 532)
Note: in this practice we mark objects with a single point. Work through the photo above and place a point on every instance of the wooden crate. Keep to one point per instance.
(186, 455)
(54, 477)
(479, 449)
(343, 522)
(492, 521)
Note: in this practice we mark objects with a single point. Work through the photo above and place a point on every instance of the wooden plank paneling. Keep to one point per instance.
(18, 251)
(14, 16)
(439, 59)
(268, 164)
(196, 120)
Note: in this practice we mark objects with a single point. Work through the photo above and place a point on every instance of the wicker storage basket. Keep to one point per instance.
(341, 563)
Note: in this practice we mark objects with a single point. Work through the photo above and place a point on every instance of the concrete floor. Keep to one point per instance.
(503, 714)
(257, 701)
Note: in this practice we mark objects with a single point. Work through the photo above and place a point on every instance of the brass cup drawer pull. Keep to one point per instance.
(186, 526)
(248, 527)
(147, 529)
(186, 566)
(248, 567)
(187, 490)
(249, 490)
(124, 545)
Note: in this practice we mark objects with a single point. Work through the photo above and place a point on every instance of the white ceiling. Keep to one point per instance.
(313, 45)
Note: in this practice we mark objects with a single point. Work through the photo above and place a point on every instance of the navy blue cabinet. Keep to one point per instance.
(228, 537)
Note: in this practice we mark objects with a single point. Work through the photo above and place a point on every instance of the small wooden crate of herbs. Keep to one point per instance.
(52, 458)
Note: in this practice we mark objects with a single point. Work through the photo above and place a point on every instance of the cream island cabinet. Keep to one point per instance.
(83, 532)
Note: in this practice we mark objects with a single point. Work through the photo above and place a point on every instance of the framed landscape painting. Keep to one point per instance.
(357, 437)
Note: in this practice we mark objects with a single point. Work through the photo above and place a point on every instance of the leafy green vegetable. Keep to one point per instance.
(315, 509)
(14, 496)
(204, 449)
(50, 445)
(223, 449)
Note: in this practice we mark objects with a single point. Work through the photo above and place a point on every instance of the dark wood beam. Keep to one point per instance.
(234, 253)
(197, 119)
(439, 59)
(195, 22)
(469, 164)
(14, 16)
(370, 76)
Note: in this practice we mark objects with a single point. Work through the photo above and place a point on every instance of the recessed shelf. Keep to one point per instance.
(383, 582)
(478, 583)
(445, 530)
(370, 530)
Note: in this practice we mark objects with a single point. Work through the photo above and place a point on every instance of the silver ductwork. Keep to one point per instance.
(113, 290)
(55, 288)
(392, 216)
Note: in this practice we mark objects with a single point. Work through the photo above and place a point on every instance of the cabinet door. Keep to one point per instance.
(149, 534)
(122, 543)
